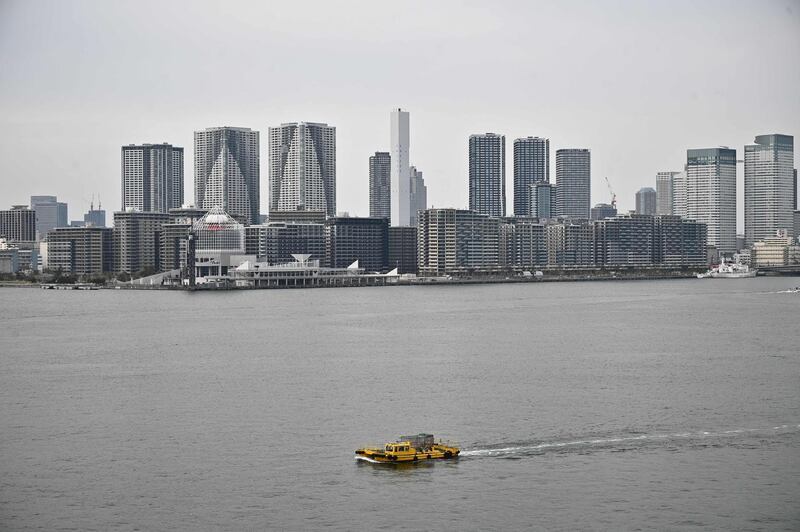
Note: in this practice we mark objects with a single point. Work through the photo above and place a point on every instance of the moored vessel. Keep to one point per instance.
(409, 449)
(732, 270)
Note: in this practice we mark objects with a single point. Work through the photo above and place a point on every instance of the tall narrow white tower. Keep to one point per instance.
(400, 168)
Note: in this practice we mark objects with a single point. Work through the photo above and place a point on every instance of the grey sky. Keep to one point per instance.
(636, 82)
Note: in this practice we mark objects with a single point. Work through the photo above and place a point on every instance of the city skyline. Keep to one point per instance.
(610, 111)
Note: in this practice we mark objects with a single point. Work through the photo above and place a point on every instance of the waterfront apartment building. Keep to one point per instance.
(226, 171)
(523, 243)
(403, 249)
(768, 187)
(137, 240)
(419, 194)
(487, 174)
(646, 201)
(602, 210)
(777, 250)
(453, 241)
(302, 167)
(174, 236)
(665, 192)
(543, 200)
(574, 180)
(81, 250)
(277, 242)
(400, 172)
(152, 177)
(350, 239)
(380, 185)
(531, 166)
(711, 194)
(50, 213)
(18, 224)
(625, 240)
(570, 243)
(679, 242)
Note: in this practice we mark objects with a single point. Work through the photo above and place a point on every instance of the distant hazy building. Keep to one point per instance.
(523, 243)
(573, 178)
(646, 201)
(81, 250)
(137, 240)
(152, 177)
(487, 174)
(531, 166)
(18, 224)
(603, 210)
(403, 249)
(95, 217)
(543, 199)
(679, 194)
(50, 213)
(419, 194)
(366, 240)
(711, 194)
(453, 241)
(665, 192)
(399, 144)
(768, 186)
(380, 185)
(226, 171)
(302, 167)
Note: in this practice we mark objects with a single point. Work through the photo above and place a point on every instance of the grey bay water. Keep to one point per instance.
(599, 405)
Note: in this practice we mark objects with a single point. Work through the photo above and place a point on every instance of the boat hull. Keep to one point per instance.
(379, 456)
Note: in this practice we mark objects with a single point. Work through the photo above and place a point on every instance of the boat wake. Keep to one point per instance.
(616, 444)
(366, 459)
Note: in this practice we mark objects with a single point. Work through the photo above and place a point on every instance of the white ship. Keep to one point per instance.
(732, 270)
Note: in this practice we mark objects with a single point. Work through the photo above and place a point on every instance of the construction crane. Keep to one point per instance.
(613, 196)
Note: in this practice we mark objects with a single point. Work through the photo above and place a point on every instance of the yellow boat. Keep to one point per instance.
(409, 449)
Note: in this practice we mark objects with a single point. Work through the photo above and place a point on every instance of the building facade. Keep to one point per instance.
(574, 181)
(50, 213)
(776, 250)
(403, 249)
(679, 242)
(625, 240)
(453, 241)
(302, 167)
(570, 243)
(646, 201)
(419, 194)
(768, 187)
(137, 240)
(365, 240)
(152, 177)
(226, 171)
(665, 192)
(531, 166)
(399, 144)
(380, 185)
(81, 250)
(711, 194)
(277, 242)
(18, 224)
(487, 174)
(543, 200)
(523, 243)
(602, 210)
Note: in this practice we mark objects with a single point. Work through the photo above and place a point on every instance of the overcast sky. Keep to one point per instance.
(636, 82)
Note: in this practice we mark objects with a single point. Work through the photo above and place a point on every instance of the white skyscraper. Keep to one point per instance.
(711, 194)
(665, 192)
(226, 171)
(679, 194)
(768, 187)
(302, 168)
(400, 168)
